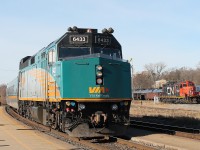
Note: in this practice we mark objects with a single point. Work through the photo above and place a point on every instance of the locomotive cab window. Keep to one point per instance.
(32, 60)
(108, 51)
(43, 55)
(52, 57)
(73, 52)
(191, 84)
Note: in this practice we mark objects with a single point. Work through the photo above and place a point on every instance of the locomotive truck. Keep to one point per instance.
(78, 84)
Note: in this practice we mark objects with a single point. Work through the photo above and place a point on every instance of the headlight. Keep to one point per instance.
(99, 67)
(68, 103)
(114, 107)
(99, 81)
(73, 104)
(99, 73)
(126, 103)
(81, 106)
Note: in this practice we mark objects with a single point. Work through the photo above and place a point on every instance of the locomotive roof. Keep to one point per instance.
(87, 31)
(75, 32)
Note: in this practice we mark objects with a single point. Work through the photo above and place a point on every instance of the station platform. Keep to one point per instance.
(14, 135)
(164, 141)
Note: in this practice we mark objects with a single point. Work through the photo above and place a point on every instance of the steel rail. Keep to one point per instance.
(89, 144)
(58, 134)
(173, 130)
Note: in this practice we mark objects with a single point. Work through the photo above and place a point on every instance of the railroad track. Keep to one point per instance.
(111, 143)
(168, 129)
(55, 133)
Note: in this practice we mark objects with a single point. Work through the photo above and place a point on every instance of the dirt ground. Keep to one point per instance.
(173, 114)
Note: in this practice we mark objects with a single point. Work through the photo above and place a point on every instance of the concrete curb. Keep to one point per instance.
(159, 146)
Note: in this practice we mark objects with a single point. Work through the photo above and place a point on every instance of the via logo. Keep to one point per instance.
(93, 90)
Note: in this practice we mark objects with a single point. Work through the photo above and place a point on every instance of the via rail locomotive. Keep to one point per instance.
(78, 84)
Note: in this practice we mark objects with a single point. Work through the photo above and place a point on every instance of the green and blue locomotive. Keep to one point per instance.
(78, 84)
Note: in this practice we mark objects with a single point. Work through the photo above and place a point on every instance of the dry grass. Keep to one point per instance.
(162, 113)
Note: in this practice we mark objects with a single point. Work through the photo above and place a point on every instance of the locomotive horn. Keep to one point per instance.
(69, 29)
(104, 30)
(110, 30)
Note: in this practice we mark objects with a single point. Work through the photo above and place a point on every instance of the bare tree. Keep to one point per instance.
(155, 70)
(182, 74)
(198, 66)
(141, 80)
(196, 74)
(187, 74)
(172, 74)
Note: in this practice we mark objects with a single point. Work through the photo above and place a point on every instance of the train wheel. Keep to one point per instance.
(55, 122)
(21, 109)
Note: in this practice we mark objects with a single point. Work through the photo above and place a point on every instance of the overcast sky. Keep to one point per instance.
(149, 31)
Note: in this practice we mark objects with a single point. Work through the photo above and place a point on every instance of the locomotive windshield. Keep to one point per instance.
(66, 52)
(108, 51)
(73, 52)
(80, 42)
(191, 84)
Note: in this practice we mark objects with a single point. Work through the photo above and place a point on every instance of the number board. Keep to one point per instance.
(103, 40)
(78, 39)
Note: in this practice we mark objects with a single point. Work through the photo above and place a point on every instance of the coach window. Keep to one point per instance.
(51, 57)
(33, 60)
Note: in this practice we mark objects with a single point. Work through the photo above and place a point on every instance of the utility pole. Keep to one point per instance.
(132, 87)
